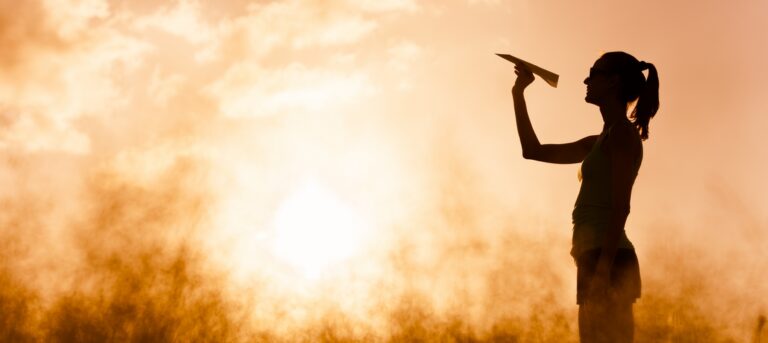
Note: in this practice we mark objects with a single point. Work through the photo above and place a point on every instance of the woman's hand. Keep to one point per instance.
(524, 77)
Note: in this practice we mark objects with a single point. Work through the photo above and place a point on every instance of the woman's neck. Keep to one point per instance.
(613, 112)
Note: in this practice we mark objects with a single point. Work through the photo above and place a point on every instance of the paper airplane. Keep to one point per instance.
(548, 76)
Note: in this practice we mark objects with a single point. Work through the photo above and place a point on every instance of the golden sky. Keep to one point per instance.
(337, 156)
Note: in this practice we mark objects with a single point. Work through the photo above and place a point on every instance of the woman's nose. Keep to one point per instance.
(585, 80)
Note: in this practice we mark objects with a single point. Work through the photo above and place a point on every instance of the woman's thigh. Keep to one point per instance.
(605, 321)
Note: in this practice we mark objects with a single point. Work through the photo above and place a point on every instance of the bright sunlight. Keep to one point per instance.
(315, 230)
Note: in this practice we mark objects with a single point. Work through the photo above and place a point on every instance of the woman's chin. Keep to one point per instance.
(592, 99)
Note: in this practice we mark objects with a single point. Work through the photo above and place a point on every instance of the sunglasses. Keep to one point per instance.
(596, 71)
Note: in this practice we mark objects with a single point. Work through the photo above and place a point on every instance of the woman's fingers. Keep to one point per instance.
(523, 71)
(524, 77)
(522, 68)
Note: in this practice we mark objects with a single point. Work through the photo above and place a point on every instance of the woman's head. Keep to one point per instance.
(620, 75)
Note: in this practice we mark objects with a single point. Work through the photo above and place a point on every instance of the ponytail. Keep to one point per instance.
(648, 101)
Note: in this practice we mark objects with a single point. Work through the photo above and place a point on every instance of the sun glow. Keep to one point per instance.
(315, 230)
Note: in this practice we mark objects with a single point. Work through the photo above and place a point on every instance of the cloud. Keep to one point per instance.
(408, 6)
(341, 30)
(483, 2)
(184, 19)
(248, 90)
(292, 24)
(71, 18)
(163, 87)
(61, 69)
(402, 55)
(66, 59)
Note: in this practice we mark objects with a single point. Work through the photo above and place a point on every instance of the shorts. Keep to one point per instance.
(625, 274)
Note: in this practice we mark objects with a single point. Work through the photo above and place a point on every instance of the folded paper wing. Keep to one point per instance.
(548, 76)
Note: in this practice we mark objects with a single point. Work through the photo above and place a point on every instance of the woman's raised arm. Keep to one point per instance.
(551, 153)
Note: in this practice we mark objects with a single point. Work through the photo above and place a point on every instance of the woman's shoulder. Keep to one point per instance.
(623, 127)
(623, 134)
(622, 124)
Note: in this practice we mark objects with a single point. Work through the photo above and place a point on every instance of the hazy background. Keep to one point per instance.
(350, 170)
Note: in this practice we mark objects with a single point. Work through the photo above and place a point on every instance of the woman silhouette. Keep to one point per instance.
(608, 275)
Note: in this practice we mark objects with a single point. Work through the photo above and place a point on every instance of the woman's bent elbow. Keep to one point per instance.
(529, 155)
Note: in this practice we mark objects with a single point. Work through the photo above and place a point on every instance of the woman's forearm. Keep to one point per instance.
(528, 139)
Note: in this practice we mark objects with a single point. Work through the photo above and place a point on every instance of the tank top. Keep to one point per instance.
(592, 212)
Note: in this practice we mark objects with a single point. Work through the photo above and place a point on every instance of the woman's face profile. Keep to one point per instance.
(600, 82)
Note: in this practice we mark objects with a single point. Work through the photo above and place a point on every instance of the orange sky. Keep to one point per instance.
(399, 108)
